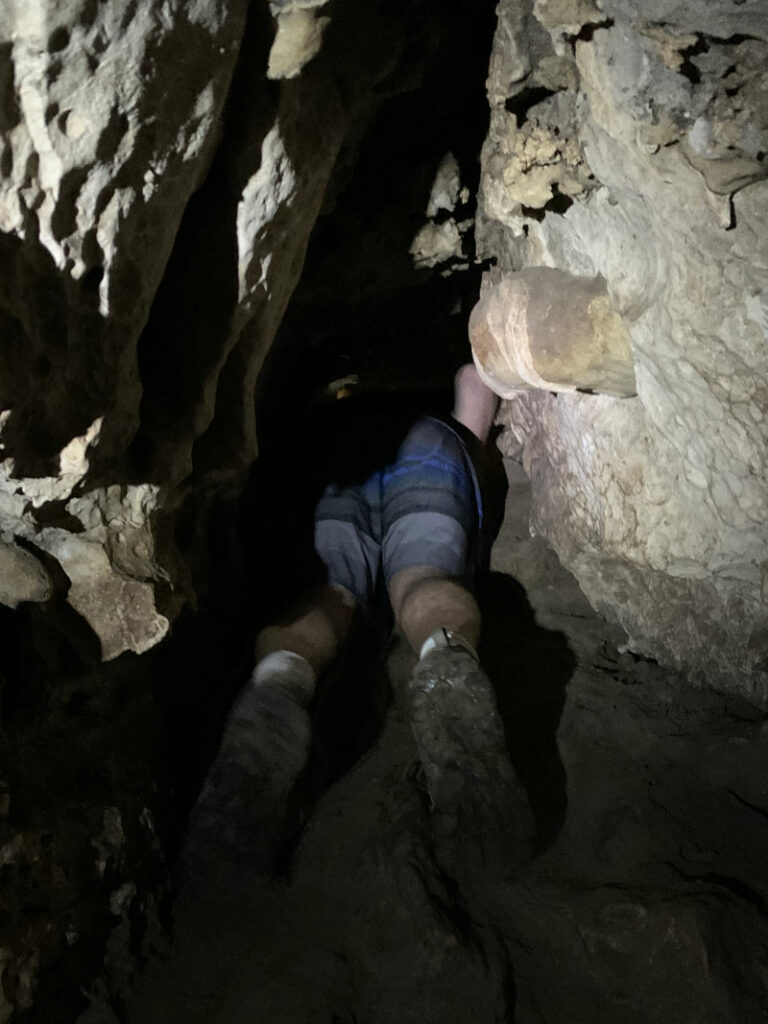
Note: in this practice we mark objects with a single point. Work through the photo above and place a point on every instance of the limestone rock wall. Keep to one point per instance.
(629, 141)
(110, 112)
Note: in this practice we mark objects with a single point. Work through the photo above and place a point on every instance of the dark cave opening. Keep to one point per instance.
(361, 306)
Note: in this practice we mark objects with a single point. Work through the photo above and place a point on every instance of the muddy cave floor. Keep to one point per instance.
(646, 900)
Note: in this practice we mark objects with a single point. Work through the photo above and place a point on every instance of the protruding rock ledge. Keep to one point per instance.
(545, 328)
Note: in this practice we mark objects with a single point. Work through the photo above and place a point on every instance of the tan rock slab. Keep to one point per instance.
(546, 328)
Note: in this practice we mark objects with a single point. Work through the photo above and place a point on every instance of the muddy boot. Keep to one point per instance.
(242, 815)
(482, 824)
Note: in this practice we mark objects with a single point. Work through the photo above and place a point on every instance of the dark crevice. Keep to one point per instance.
(559, 203)
(521, 102)
(702, 45)
(54, 513)
(187, 324)
(750, 806)
(59, 579)
(586, 32)
(738, 888)
(534, 212)
(687, 67)
(732, 210)
(734, 40)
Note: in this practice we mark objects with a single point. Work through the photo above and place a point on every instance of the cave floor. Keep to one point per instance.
(646, 901)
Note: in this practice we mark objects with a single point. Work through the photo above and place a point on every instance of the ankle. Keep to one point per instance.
(443, 639)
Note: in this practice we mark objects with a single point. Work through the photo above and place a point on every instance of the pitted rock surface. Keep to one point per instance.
(656, 503)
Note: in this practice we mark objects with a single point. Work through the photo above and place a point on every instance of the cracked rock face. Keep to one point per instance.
(108, 116)
(632, 145)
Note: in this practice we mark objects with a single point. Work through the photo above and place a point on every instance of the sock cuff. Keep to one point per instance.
(447, 638)
(288, 668)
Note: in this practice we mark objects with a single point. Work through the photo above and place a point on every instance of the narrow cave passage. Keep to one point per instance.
(375, 316)
(207, 259)
(362, 924)
(365, 309)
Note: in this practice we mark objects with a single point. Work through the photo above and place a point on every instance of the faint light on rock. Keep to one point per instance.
(271, 188)
(110, 562)
(440, 242)
(436, 243)
(298, 39)
(22, 577)
(566, 14)
(446, 187)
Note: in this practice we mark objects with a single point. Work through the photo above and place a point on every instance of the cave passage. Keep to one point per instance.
(362, 924)
(359, 176)
(364, 313)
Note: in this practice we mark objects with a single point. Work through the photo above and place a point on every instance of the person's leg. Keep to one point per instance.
(425, 600)
(429, 511)
(474, 404)
(296, 651)
(317, 631)
(243, 812)
(480, 815)
(433, 487)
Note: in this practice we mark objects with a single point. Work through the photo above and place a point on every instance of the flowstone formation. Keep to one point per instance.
(629, 143)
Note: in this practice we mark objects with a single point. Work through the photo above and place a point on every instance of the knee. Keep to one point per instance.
(424, 600)
(440, 598)
(408, 588)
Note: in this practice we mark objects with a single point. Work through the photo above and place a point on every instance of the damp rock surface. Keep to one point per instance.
(632, 145)
(110, 114)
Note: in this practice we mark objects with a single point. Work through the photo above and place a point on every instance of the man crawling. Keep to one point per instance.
(414, 527)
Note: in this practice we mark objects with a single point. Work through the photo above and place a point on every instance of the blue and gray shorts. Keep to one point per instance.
(423, 509)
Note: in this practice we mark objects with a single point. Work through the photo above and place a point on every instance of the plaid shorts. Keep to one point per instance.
(423, 509)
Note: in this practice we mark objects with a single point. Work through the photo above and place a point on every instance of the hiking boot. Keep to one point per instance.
(242, 814)
(481, 819)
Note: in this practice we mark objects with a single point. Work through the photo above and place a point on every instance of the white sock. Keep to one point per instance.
(447, 638)
(288, 669)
